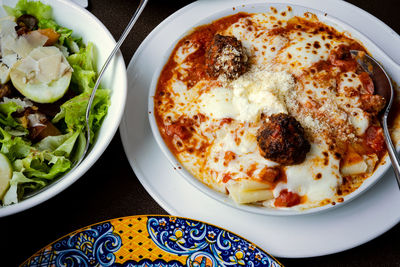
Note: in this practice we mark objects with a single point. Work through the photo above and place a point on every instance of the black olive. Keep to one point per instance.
(26, 23)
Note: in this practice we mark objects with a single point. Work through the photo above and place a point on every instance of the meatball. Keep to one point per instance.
(226, 56)
(281, 139)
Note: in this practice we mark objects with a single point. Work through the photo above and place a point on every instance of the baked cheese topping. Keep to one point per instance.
(245, 98)
(295, 66)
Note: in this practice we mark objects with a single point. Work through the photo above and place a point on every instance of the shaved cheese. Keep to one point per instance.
(45, 51)
(7, 45)
(49, 68)
(35, 119)
(10, 60)
(43, 65)
(7, 27)
(29, 67)
(22, 47)
(35, 39)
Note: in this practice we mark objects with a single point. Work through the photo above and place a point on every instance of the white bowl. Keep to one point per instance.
(84, 24)
(257, 8)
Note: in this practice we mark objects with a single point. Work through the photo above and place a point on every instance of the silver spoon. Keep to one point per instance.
(128, 28)
(384, 88)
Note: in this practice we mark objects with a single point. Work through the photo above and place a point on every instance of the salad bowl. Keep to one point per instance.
(87, 26)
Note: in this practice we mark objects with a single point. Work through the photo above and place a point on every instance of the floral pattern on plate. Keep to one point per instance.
(151, 241)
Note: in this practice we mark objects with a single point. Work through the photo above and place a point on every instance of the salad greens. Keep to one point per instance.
(36, 164)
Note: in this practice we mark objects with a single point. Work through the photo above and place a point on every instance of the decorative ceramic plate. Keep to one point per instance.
(151, 241)
(300, 236)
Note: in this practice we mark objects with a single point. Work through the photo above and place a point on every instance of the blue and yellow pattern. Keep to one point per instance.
(152, 241)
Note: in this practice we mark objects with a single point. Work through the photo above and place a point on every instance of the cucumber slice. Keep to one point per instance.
(5, 174)
(40, 92)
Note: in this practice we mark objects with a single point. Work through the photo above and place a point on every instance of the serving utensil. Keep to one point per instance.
(384, 88)
(128, 28)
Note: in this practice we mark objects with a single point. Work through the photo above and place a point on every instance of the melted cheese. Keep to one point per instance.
(247, 97)
(317, 177)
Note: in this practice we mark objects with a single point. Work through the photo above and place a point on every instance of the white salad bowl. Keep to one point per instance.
(86, 25)
(341, 26)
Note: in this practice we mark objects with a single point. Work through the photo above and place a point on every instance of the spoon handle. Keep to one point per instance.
(391, 150)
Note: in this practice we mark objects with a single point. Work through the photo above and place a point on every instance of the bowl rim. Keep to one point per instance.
(98, 148)
(223, 198)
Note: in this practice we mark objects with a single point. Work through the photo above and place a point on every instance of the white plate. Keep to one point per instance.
(301, 236)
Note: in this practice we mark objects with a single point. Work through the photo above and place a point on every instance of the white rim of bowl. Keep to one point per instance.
(223, 198)
(96, 150)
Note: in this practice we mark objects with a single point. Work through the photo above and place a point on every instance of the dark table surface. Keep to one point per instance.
(105, 193)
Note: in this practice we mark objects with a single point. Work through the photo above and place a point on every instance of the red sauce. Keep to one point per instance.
(251, 170)
(179, 129)
(226, 121)
(226, 178)
(273, 175)
(367, 82)
(341, 58)
(287, 199)
(374, 139)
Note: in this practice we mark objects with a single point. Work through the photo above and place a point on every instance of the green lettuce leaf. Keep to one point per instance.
(60, 145)
(13, 147)
(35, 165)
(18, 184)
(43, 165)
(84, 74)
(79, 147)
(84, 79)
(34, 8)
(73, 111)
(6, 109)
(84, 58)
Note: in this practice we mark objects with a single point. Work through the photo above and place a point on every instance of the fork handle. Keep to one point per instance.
(391, 150)
(128, 28)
